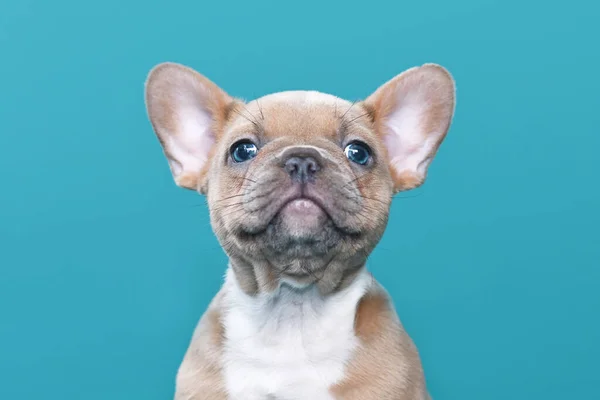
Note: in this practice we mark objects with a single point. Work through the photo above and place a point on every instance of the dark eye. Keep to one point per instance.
(243, 150)
(358, 152)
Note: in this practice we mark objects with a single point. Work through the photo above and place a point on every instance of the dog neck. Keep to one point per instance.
(256, 278)
(292, 342)
(290, 304)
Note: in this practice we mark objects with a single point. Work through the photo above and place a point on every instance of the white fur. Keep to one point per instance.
(292, 344)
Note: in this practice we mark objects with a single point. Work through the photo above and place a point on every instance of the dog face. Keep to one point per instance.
(300, 182)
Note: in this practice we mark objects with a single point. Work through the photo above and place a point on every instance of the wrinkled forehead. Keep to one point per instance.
(303, 115)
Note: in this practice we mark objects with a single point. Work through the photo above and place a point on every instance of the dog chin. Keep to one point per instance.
(300, 230)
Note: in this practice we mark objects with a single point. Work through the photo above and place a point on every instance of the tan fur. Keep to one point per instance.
(283, 123)
(386, 365)
(199, 375)
(438, 116)
(160, 105)
(405, 180)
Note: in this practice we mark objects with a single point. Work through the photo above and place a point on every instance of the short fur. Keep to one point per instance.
(299, 317)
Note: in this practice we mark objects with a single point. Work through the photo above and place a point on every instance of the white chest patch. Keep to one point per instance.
(290, 345)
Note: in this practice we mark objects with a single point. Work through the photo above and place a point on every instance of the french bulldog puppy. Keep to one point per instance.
(299, 186)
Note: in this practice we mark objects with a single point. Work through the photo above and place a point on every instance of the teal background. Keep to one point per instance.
(105, 266)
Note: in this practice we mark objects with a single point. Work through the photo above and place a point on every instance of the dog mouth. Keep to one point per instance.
(301, 208)
(302, 205)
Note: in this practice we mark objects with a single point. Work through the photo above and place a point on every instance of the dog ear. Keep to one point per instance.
(187, 111)
(412, 113)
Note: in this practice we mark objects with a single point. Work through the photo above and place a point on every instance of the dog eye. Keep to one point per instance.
(243, 150)
(358, 152)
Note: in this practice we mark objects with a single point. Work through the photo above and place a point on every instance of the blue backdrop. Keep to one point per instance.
(105, 266)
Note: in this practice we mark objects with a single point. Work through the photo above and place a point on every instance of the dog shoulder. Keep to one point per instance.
(386, 365)
(200, 374)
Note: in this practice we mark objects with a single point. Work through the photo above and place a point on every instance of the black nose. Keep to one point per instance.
(302, 169)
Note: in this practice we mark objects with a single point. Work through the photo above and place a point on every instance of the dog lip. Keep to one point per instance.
(287, 200)
(301, 195)
(318, 203)
(284, 200)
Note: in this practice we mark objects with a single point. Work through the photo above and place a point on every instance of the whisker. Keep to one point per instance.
(346, 123)
(252, 115)
(260, 109)
(360, 195)
(245, 117)
(246, 193)
(349, 108)
(248, 179)
(352, 181)
(285, 268)
(311, 273)
(241, 203)
(233, 211)
(229, 197)
(407, 197)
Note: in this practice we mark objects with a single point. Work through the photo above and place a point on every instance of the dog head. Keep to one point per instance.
(299, 184)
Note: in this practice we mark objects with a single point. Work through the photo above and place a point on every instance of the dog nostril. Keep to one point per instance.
(291, 167)
(301, 168)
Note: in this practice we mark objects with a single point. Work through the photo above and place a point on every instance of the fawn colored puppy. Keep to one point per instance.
(299, 186)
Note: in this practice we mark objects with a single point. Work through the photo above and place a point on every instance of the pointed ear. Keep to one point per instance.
(187, 112)
(412, 113)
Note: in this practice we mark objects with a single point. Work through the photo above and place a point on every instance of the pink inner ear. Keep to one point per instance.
(419, 104)
(181, 103)
(189, 147)
(407, 142)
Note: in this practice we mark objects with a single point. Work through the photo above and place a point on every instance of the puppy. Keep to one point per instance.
(299, 186)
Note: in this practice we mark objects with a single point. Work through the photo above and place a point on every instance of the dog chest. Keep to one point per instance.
(292, 345)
